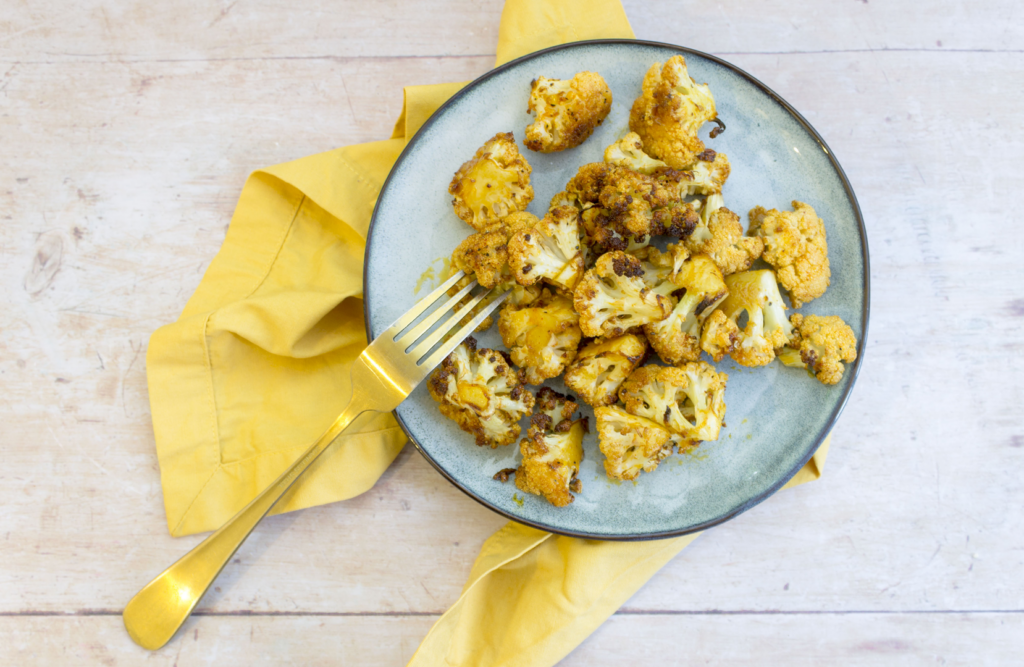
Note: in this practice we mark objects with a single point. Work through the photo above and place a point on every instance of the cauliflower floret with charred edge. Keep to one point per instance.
(602, 365)
(719, 335)
(613, 298)
(720, 235)
(542, 337)
(671, 110)
(493, 184)
(550, 249)
(480, 391)
(618, 204)
(567, 111)
(688, 400)
(706, 177)
(821, 344)
(485, 254)
(629, 443)
(794, 243)
(676, 338)
(552, 450)
(629, 152)
(767, 330)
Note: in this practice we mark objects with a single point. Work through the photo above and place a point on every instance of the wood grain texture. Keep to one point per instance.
(128, 130)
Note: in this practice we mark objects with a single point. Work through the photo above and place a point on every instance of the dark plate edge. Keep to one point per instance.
(865, 312)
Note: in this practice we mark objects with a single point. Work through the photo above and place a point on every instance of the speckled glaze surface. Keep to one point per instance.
(776, 416)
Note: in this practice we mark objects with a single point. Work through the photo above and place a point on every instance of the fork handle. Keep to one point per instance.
(158, 610)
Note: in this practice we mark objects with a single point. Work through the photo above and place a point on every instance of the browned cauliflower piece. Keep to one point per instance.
(485, 254)
(619, 205)
(671, 110)
(567, 111)
(705, 177)
(492, 185)
(629, 152)
(676, 338)
(720, 235)
(821, 344)
(629, 443)
(767, 330)
(480, 391)
(794, 243)
(550, 249)
(719, 335)
(602, 365)
(552, 450)
(688, 400)
(541, 337)
(613, 298)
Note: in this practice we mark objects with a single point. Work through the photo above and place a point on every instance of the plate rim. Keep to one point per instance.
(865, 313)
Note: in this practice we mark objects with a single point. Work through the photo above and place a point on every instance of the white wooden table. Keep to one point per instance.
(126, 131)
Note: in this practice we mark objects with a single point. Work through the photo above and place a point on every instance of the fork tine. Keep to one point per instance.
(413, 334)
(464, 311)
(459, 336)
(422, 305)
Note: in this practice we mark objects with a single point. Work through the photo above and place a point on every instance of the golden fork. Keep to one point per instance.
(382, 377)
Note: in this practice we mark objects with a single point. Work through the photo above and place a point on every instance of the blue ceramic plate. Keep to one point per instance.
(776, 416)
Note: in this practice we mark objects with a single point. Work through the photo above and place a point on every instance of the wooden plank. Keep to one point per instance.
(733, 639)
(191, 30)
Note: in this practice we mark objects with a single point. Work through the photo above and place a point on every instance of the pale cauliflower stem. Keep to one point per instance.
(485, 254)
(670, 111)
(552, 450)
(688, 400)
(493, 184)
(542, 338)
(480, 391)
(676, 338)
(630, 444)
(720, 236)
(756, 294)
(567, 111)
(820, 344)
(613, 298)
(549, 249)
(602, 365)
(794, 243)
(618, 204)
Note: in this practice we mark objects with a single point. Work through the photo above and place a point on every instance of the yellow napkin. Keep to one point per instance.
(257, 367)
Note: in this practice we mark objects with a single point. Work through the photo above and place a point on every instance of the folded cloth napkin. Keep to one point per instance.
(258, 364)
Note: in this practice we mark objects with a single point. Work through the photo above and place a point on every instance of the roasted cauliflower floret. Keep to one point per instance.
(630, 443)
(820, 344)
(485, 254)
(719, 335)
(613, 298)
(705, 177)
(767, 330)
(619, 204)
(550, 249)
(629, 152)
(688, 400)
(720, 235)
(492, 185)
(676, 338)
(552, 450)
(480, 391)
(602, 365)
(671, 110)
(542, 337)
(567, 111)
(794, 243)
